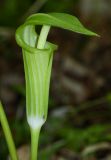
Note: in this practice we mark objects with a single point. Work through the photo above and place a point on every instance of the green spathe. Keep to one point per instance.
(61, 20)
(38, 62)
(37, 66)
(38, 56)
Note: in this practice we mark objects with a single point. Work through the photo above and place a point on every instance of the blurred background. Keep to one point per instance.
(79, 121)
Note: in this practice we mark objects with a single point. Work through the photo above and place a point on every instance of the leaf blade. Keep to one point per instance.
(61, 20)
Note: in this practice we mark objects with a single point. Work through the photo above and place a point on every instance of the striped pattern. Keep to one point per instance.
(37, 68)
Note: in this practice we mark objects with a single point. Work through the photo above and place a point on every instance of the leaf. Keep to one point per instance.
(62, 20)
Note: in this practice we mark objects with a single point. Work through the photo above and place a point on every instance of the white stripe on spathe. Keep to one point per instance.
(35, 122)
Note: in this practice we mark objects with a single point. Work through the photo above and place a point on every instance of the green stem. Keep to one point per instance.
(43, 36)
(34, 143)
(8, 135)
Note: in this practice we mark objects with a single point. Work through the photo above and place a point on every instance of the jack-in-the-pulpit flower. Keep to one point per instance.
(37, 65)
(37, 57)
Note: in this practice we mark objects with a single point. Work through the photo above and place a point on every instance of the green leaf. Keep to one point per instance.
(61, 20)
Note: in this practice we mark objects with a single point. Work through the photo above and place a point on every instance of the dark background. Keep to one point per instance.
(79, 121)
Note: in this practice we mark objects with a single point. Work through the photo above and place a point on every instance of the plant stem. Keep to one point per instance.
(8, 135)
(43, 36)
(34, 143)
